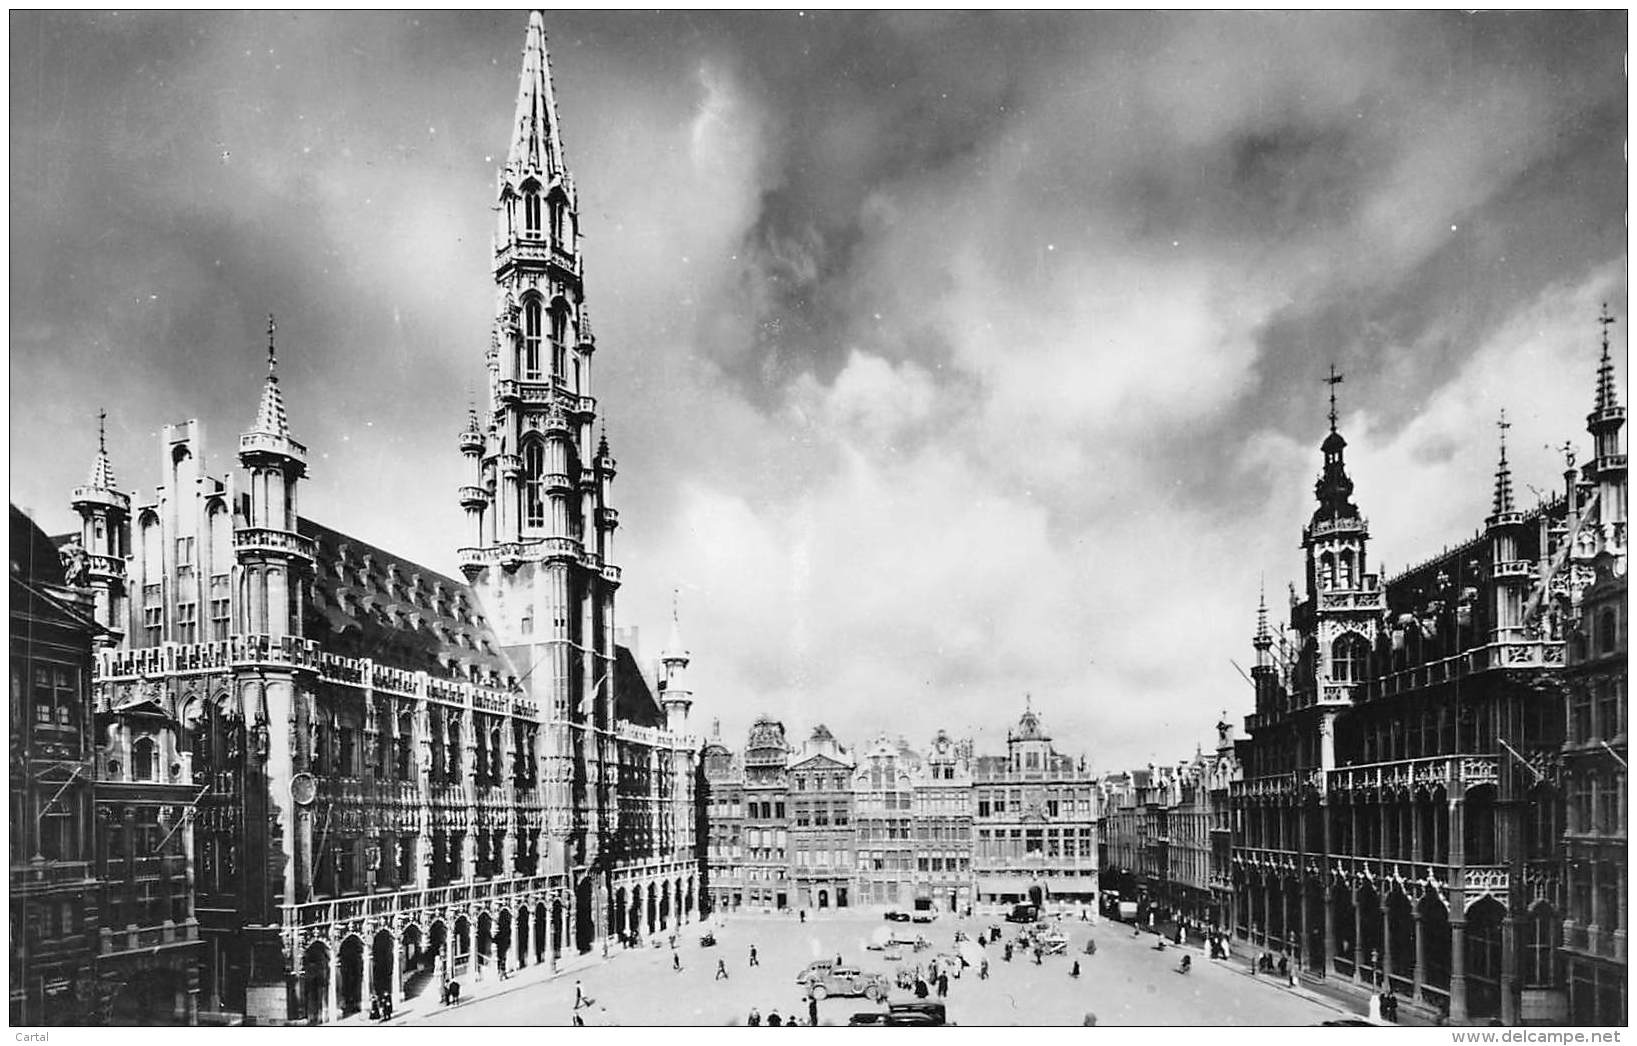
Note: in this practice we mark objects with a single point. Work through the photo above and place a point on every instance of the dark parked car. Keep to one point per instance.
(898, 917)
(867, 1018)
(916, 1014)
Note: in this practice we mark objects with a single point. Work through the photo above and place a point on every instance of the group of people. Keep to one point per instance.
(1384, 1005)
(380, 1007)
(773, 1020)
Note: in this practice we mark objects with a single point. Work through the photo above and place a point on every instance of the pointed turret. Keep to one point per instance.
(675, 693)
(536, 143)
(1607, 468)
(1264, 639)
(270, 543)
(104, 512)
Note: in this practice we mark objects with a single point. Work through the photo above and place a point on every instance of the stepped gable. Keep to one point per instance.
(633, 698)
(367, 602)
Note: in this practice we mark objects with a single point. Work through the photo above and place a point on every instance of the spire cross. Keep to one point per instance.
(1332, 380)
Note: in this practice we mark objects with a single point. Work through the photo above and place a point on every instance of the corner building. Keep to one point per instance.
(1399, 821)
(394, 778)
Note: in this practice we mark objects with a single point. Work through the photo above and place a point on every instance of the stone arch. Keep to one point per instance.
(349, 993)
(1400, 949)
(502, 944)
(1341, 909)
(460, 951)
(522, 949)
(585, 928)
(382, 961)
(556, 929)
(542, 931)
(1483, 947)
(1368, 902)
(416, 960)
(1435, 932)
(315, 983)
(622, 912)
(653, 907)
(485, 942)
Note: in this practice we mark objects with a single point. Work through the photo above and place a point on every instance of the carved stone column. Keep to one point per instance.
(1420, 953)
(1509, 970)
(1457, 964)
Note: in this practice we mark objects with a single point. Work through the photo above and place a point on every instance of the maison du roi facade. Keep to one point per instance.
(319, 771)
(821, 826)
(1431, 795)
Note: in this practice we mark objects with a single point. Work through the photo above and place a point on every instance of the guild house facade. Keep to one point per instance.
(382, 777)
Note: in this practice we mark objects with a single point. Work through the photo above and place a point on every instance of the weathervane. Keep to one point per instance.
(1333, 380)
(102, 431)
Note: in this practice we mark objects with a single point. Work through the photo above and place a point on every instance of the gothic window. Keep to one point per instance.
(1327, 571)
(1346, 562)
(531, 211)
(557, 227)
(531, 340)
(1605, 632)
(1349, 657)
(534, 467)
(559, 344)
(1539, 944)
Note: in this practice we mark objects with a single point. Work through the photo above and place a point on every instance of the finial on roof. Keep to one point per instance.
(1607, 398)
(1333, 380)
(102, 471)
(1503, 471)
(270, 415)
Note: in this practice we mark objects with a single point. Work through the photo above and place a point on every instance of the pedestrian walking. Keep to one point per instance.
(920, 988)
(773, 1019)
(943, 985)
(721, 970)
(579, 996)
(375, 1007)
(804, 915)
(676, 962)
(1074, 971)
(753, 961)
(983, 969)
(579, 1022)
(812, 1011)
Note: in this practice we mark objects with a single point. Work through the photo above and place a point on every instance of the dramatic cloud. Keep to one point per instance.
(948, 357)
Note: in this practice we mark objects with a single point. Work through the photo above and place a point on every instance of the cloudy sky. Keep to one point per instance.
(947, 357)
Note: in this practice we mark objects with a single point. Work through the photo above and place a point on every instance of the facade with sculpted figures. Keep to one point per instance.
(384, 777)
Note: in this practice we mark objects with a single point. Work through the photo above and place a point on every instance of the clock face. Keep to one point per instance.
(303, 789)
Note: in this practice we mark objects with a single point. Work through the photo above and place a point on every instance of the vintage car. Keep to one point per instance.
(920, 1013)
(823, 980)
(897, 917)
(868, 1018)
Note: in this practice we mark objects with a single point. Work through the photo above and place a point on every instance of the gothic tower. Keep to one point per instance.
(1513, 575)
(1346, 602)
(273, 564)
(674, 692)
(537, 502)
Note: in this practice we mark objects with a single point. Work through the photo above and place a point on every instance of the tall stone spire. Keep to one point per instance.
(536, 144)
(270, 416)
(1503, 473)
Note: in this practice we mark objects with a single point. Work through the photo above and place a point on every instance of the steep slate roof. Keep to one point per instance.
(633, 697)
(365, 603)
